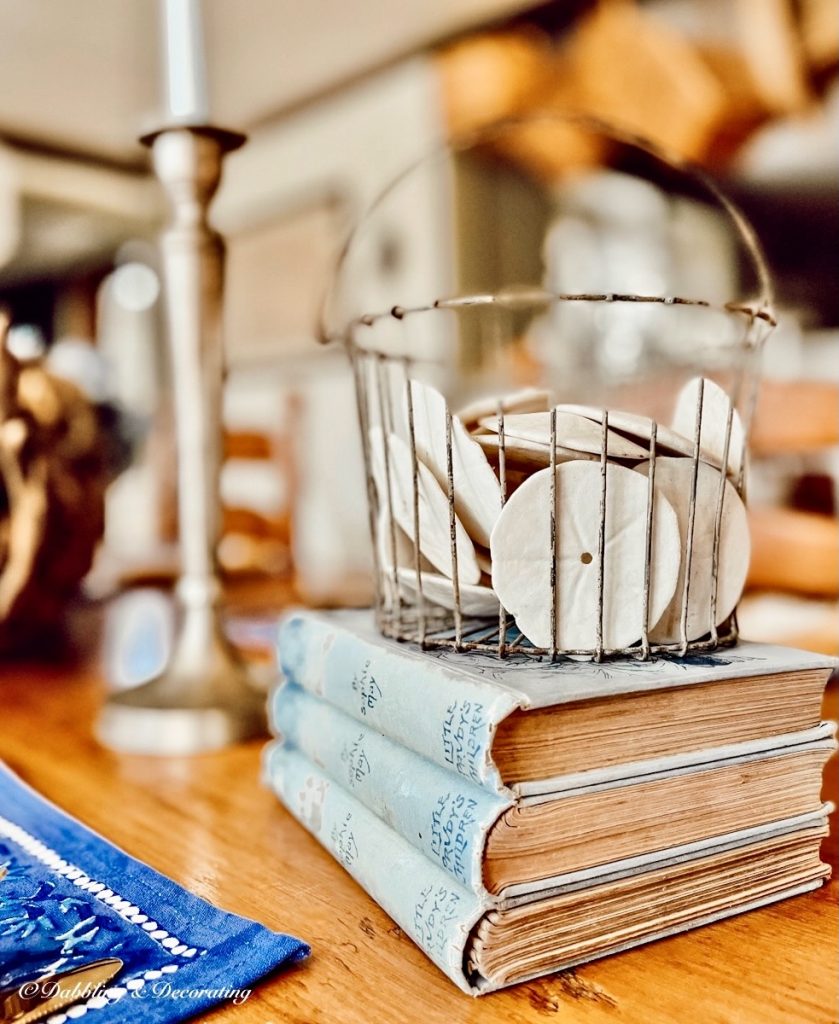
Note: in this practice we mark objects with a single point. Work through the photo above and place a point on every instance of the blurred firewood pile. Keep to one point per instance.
(794, 573)
(618, 62)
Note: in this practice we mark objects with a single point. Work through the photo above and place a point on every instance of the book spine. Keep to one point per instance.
(426, 903)
(443, 815)
(416, 700)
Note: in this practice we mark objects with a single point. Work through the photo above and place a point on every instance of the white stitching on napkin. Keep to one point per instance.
(125, 908)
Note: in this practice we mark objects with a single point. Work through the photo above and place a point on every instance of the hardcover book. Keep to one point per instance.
(484, 944)
(522, 724)
(506, 845)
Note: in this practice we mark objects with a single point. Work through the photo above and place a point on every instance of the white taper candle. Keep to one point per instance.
(186, 74)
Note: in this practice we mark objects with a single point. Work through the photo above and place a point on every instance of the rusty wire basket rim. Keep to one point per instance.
(522, 297)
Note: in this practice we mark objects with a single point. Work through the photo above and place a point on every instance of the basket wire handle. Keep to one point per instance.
(765, 299)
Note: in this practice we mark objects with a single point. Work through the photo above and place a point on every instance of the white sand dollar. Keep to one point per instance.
(395, 547)
(400, 575)
(638, 428)
(673, 480)
(396, 552)
(474, 600)
(434, 521)
(715, 407)
(573, 432)
(525, 400)
(477, 493)
(526, 454)
(521, 556)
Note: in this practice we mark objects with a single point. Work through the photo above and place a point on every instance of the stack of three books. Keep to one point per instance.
(516, 818)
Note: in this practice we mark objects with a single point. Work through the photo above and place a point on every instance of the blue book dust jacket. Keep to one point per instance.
(445, 816)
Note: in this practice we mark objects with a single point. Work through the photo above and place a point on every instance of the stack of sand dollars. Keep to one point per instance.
(533, 524)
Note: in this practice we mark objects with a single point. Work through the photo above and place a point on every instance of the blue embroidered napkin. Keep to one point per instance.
(68, 897)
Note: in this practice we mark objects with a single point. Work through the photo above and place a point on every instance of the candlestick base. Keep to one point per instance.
(203, 701)
(172, 732)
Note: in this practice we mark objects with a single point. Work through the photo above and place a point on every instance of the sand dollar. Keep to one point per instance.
(527, 455)
(474, 600)
(673, 480)
(477, 493)
(525, 400)
(715, 408)
(434, 520)
(573, 432)
(522, 562)
(637, 427)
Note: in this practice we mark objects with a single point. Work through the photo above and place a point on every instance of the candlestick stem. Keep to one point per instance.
(204, 699)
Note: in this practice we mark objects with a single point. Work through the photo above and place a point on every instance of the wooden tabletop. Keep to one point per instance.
(208, 823)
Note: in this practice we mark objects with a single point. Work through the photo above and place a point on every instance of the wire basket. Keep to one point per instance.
(619, 536)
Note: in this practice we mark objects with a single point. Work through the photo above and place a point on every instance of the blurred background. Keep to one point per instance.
(337, 98)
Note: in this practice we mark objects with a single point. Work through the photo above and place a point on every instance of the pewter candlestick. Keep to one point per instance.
(204, 699)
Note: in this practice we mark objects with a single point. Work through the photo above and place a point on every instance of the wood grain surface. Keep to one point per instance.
(209, 824)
